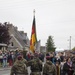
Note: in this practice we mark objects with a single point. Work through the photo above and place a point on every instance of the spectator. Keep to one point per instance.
(62, 64)
(1, 58)
(58, 67)
(67, 68)
(4, 59)
(10, 60)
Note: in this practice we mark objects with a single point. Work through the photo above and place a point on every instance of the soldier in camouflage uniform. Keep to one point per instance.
(19, 68)
(49, 68)
(23, 60)
(35, 65)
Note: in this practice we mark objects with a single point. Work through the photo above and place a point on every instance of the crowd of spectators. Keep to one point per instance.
(62, 60)
(7, 58)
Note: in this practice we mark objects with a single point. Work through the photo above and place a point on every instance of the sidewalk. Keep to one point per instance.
(5, 68)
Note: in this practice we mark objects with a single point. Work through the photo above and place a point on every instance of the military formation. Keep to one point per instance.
(36, 66)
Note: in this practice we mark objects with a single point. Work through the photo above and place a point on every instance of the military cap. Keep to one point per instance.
(19, 57)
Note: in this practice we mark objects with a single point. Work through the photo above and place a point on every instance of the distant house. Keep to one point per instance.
(19, 39)
(43, 49)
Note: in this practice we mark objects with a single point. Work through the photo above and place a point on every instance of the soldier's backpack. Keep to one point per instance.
(50, 68)
(36, 66)
(20, 68)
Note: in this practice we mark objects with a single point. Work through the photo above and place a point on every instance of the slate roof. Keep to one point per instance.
(20, 36)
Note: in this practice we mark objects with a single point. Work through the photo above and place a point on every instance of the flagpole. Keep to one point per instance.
(34, 12)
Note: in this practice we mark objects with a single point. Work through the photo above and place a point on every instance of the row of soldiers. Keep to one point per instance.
(36, 66)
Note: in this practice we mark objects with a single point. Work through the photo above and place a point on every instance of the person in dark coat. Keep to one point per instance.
(67, 68)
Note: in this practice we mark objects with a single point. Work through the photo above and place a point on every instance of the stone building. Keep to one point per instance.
(19, 40)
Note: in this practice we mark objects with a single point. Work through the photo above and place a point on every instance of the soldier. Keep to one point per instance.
(35, 65)
(49, 68)
(19, 67)
(23, 59)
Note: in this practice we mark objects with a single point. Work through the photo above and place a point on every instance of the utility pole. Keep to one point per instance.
(70, 43)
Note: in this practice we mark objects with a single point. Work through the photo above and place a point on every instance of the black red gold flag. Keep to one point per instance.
(33, 39)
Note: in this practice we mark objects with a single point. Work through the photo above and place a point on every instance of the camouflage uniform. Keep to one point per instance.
(23, 60)
(49, 68)
(35, 66)
(19, 68)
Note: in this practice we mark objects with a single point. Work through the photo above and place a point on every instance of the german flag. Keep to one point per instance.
(33, 39)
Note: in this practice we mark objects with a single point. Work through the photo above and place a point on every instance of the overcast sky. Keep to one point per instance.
(53, 17)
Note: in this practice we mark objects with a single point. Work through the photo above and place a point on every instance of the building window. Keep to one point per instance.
(12, 44)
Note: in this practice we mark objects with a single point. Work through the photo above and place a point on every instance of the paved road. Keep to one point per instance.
(4, 72)
(7, 71)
